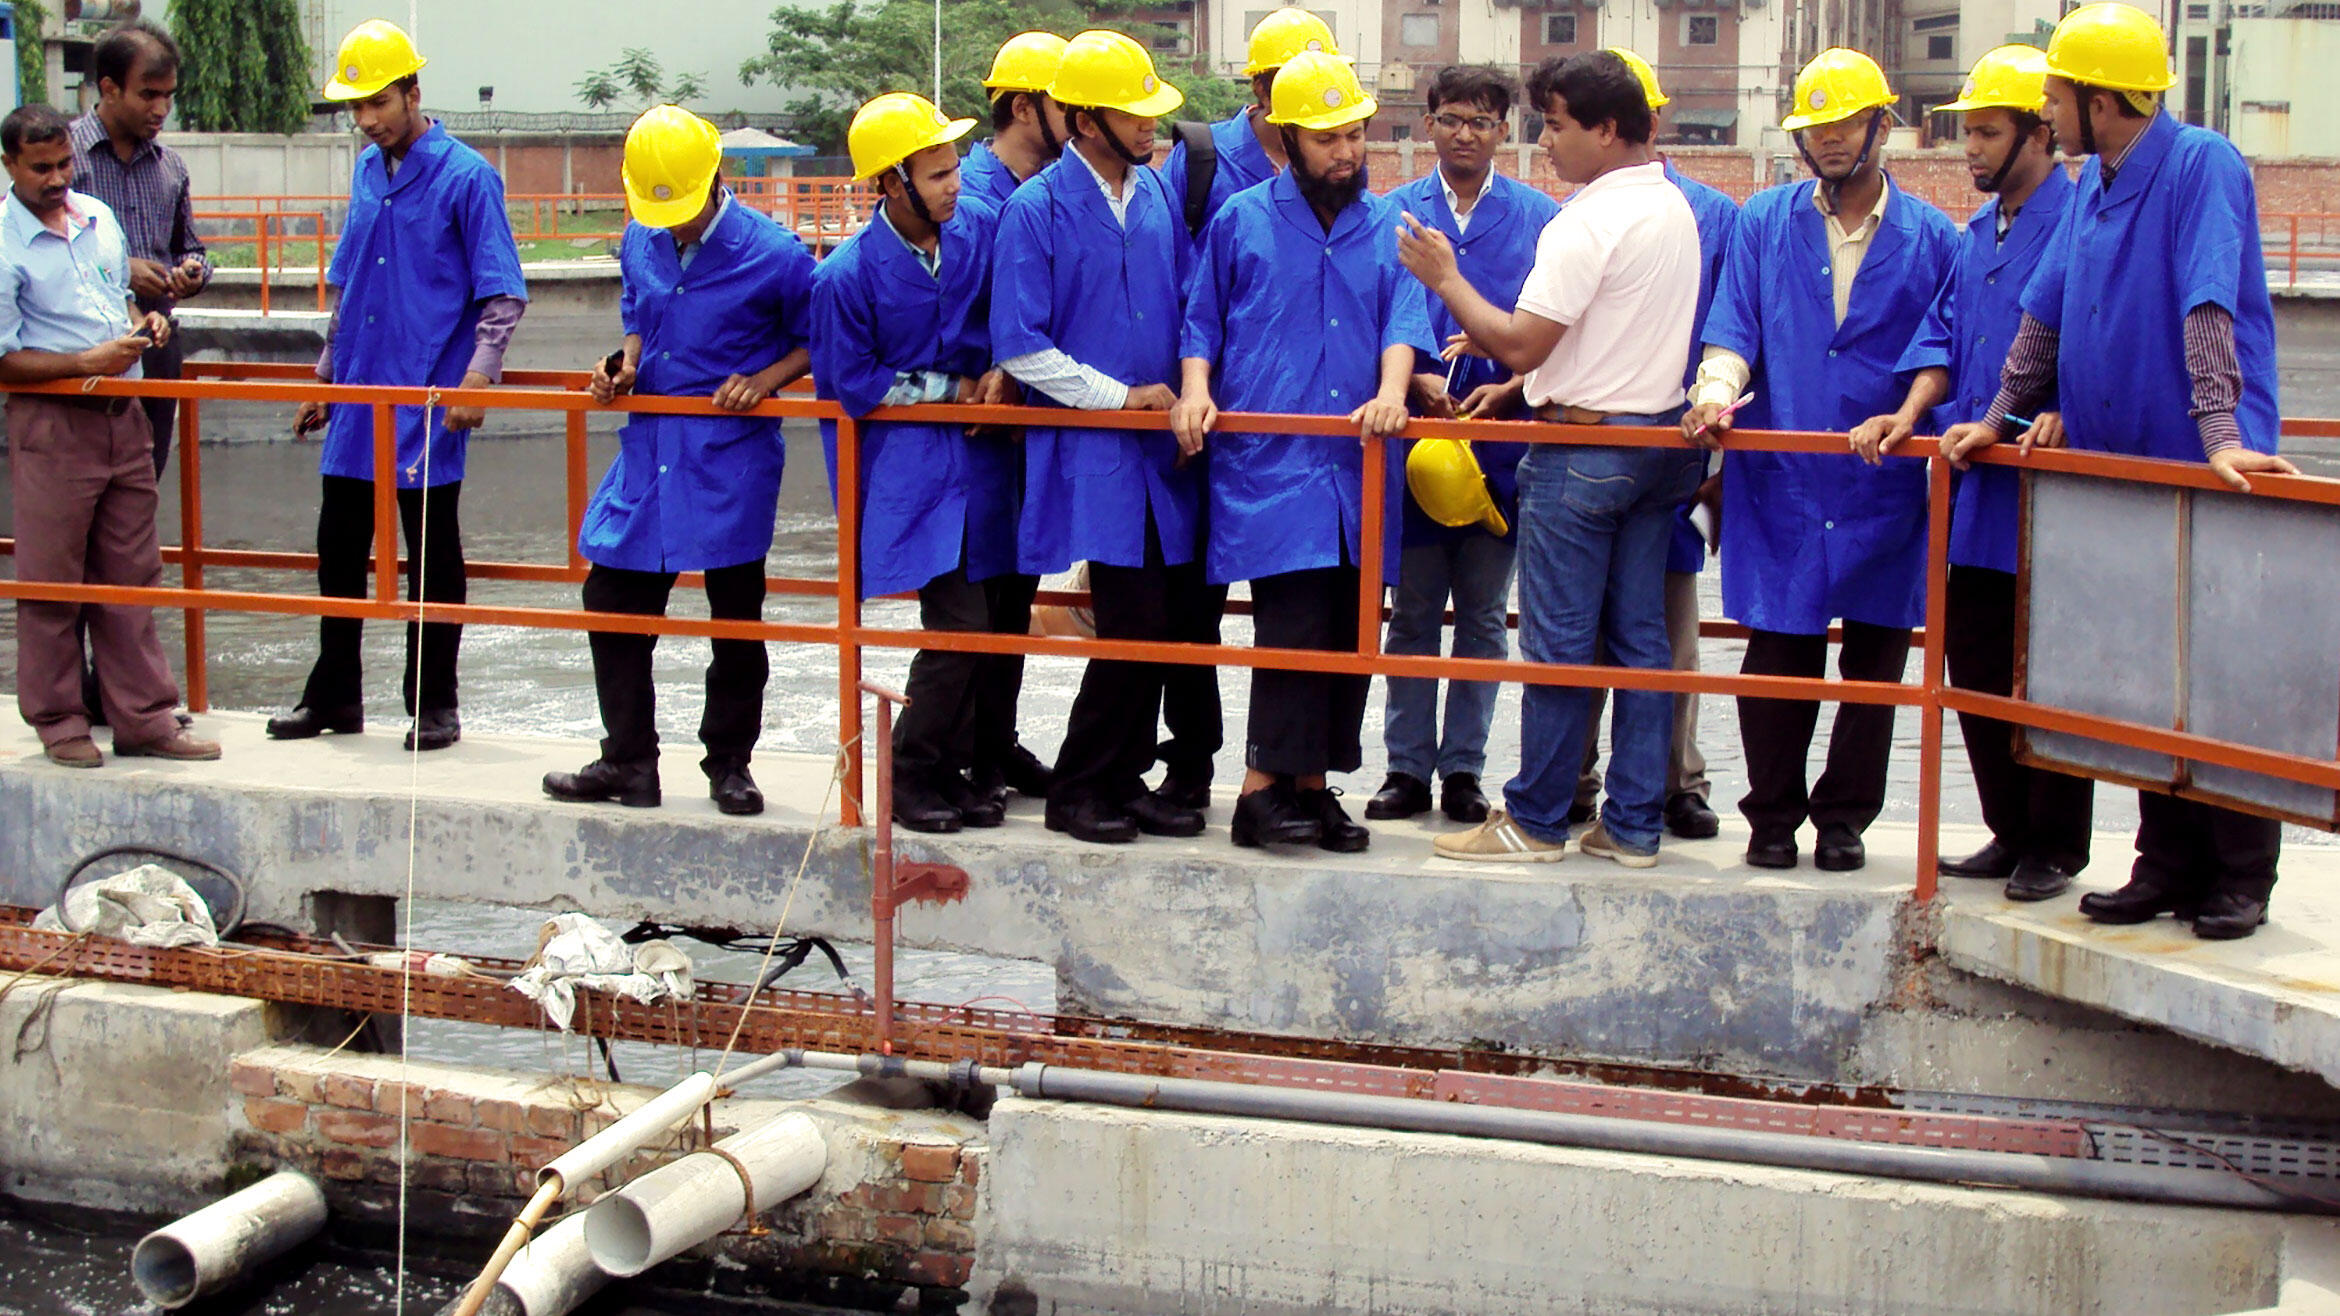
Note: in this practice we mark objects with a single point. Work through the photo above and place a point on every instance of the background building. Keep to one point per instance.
(2261, 73)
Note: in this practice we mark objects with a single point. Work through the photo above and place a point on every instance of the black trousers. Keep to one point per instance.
(734, 713)
(2032, 812)
(345, 546)
(2187, 846)
(955, 697)
(1190, 693)
(1777, 733)
(1000, 676)
(164, 362)
(1306, 723)
(1109, 740)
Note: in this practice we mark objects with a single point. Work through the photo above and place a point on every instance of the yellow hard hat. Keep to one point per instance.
(896, 126)
(1027, 62)
(1283, 34)
(672, 157)
(2008, 78)
(373, 55)
(1835, 86)
(2117, 47)
(1316, 92)
(1641, 69)
(1107, 70)
(1445, 479)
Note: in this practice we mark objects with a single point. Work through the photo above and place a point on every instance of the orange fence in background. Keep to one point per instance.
(850, 635)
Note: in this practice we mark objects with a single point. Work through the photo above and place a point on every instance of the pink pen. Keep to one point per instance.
(1728, 412)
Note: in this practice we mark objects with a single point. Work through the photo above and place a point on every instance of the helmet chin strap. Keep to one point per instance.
(1113, 139)
(917, 202)
(1048, 138)
(1833, 188)
(2087, 120)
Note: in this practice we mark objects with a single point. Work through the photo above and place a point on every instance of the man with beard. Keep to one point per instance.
(1826, 284)
(429, 291)
(1245, 149)
(1297, 305)
(1084, 312)
(2149, 324)
(1027, 128)
(2039, 820)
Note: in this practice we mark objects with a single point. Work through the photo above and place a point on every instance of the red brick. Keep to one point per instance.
(301, 1085)
(959, 1202)
(907, 1198)
(251, 1080)
(848, 1226)
(502, 1116)
(444, 1107)
(860, 1194)
(440, 1176)
(900, 1230)
(387, 1099)
(460, 1144)
(551, 1122)
(949, 1236)
(357, 1128)
(941, 1268)
(342, 1163)
(535, 1153)
(276, 1116)
(349, 1091)
(930, 1164)
(971, 1167)
(384, 1169)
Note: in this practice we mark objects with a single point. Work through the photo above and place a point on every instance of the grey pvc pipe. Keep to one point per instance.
(684, 1203)
(214, 1248)
(2046, 1174)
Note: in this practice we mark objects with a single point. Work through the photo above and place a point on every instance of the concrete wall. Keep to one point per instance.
(2281, 97)
(319, 164)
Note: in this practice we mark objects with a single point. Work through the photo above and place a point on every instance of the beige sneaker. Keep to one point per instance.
(1599, 842)
(179, 745)
(1498, 840)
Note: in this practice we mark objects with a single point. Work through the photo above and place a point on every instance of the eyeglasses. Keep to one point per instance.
(1454, 123)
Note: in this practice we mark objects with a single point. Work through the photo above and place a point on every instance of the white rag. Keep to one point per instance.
(575, 952)
(146, 906)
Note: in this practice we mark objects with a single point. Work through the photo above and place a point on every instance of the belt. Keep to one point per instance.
(104, 406)
(1560, 414)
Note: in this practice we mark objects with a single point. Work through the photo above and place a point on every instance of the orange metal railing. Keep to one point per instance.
(850, 635)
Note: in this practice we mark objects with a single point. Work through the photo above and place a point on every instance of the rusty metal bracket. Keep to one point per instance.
(916, 882)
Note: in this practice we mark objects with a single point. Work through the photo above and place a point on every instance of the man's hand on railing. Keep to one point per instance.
(1429, 393)
(1194, 416)
(1879, 435)
(605, 386)
(112, 356)
(469, 418)
(1493, 401)
(310, 418)
(1706, 424)
(2230, 463)
(992, 388)
(742, 392)
(1382, 417)
(1150, 397)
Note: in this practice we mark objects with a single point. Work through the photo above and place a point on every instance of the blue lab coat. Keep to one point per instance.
(1810, 538)
(1295, 320)
(1718, 223)
(691, 493)
(418, 256)
(1968, 332)
(932, 496)
(2179, 228)
(1069, 277)
(983, 176)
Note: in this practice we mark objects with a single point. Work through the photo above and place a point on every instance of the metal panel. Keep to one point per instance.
(2263, 644)
(2100, 624)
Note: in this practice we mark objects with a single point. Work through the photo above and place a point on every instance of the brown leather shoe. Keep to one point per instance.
(79, 752)
(180, 747)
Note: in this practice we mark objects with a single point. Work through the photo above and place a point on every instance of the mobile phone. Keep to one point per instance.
(613, 363)
(143, 333)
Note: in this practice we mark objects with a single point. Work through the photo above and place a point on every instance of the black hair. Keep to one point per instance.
(130, 47)
(1073, 114)
(1472, 84)
(411, 82)
(1599, 87)
(1003, 110)
(30, 125)
(1263, 86)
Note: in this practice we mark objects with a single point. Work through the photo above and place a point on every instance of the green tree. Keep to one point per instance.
(32, 64)
(598, 89)
(246, 65)
(638, 73)
(1210, 98)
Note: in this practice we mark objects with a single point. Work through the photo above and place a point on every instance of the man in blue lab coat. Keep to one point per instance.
(1245, 148)
(1027, 128)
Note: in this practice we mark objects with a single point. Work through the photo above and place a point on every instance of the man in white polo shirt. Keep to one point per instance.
(1603, 333)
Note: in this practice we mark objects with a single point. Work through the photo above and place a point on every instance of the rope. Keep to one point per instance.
(414, 753)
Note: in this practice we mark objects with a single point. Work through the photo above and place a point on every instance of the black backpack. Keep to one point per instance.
(1202, 165)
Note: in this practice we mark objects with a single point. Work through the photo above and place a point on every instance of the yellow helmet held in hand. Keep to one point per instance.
(1316, 93)
(1027, 62)
(1835, 86)
(1445, 479)
(2008, 78)
(373, 55)
(896, 126)
(1283, 34)
(2116, 47)
(672, 157)
(1109, 71)
(1641, 69)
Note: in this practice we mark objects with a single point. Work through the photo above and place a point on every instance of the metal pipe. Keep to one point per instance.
(684, 1203)
(216, 1247)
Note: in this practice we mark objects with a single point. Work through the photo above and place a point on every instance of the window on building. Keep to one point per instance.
(1701, 30)
(1935, 22)
(2197, 79)
(1941, 47)
(2198, 13)
(1418, 29)
(1559, 29)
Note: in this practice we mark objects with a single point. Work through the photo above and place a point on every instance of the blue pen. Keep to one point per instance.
(2024, 422)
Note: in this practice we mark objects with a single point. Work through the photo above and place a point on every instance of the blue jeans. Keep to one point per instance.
(1594, 526)
(1475, 570)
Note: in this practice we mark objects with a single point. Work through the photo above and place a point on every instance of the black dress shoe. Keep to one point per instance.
(1024, 773)
(2140, 901)
(1688, 817)
(1093, 821)
(434, 728)
(733, 790)
(1186, 790)
(1275, 816)
(305, 722)
(634, 785)
(1582, 812)
(989, 782)
(1336, 831)
(1839, 850)
(1461, 799)
(1772, 852)
(919, 807)
(1402, 795)
(976, 808)
(2037, 879)
(2229, 915)
(1993, 861)
(1156, 815)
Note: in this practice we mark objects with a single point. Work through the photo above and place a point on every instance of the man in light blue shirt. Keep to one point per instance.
(81, 467)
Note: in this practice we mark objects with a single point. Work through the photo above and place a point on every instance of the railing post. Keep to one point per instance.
(881, 890)
(191, 549)
(1929, 838)
(385, 503)
(849, 798)
(260, 220)
(577, 493)
(1370, 546)
(321, 260)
